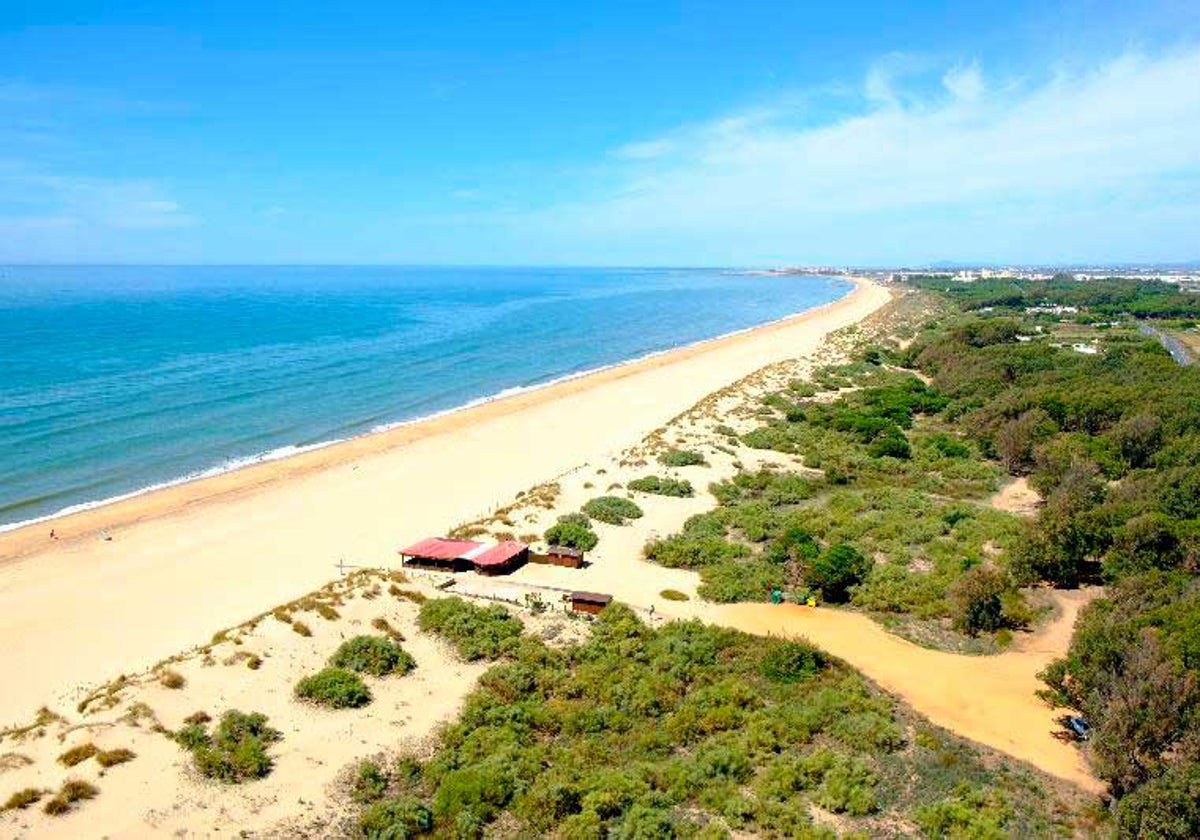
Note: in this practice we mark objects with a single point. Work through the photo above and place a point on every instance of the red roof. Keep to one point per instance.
(440, 548)
(499, 554)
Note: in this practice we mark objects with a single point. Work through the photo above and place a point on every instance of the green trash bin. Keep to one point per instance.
(776, 596)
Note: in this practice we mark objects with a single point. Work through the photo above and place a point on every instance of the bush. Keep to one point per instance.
(72, 791)
(730, 581)
(236, 751)
(975, 600)
(395, 819)
(111, 758)
(837, 569)
(370, 783)
(968, 813)
(78, 754)
(673, 595)
(663, 486)
(336, 688)
(1168, 806)
(573, 531)
(476, 632)
(374, 655)
(682, 458)
(22, 799)
(789, 662)
(612, 509)
(172, 679)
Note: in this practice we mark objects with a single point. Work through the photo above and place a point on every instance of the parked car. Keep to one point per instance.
(1080, 727)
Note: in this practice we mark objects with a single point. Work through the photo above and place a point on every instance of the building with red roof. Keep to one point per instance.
(449, 555)
(502, 558)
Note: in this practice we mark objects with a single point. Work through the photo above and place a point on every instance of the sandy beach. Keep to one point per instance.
(180, 563)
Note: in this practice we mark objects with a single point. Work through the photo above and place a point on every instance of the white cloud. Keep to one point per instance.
(109, 203)
(647, 150)
(1024, 156)
(964, 82)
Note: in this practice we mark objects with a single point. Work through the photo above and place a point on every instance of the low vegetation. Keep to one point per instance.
(684, 731)
(673, 595)
(78, 754)
(679, 488)
(476, 632)
(682, 458)
(111, 758)
(23, 799)
(335, 688)
(72, 792)
(374, 655)
(573, 530)
(612, 510)
(236, 750)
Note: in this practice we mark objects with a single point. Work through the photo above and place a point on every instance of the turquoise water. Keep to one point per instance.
(117, 379)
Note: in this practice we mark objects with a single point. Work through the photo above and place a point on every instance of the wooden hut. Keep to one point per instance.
(589, 602)
(561, 555)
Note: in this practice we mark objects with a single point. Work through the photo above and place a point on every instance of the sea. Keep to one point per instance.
(118, 380)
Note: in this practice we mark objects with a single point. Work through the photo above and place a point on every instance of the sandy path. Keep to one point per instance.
(188, 560)
(988, 699)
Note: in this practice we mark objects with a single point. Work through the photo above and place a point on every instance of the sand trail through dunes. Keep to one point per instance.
(989, 699)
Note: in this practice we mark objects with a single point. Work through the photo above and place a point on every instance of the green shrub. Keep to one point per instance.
(729, 581)
(237, 749)
(788, 662)
(193, 736)
(612, 509)
(1168, 806)
(682, 458)
(337, 688)
(574, 530)
(975, 600)
(395, 819)
(369, 783)
(476, 632)
(673, 595)
(374, 655)
(663, 486)
(968, 813)
(837, 569)
(687, 551)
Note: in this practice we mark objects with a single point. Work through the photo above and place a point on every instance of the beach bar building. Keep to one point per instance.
(447, 555)
(589, 602)
(441, 554)
(502, 558)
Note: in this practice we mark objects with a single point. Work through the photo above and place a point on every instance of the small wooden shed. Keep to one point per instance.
(561, 555)
(589, 602)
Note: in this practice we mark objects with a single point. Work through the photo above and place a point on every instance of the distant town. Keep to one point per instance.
(1187, 277)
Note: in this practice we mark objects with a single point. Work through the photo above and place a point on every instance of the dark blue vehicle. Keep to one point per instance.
(1080, 727)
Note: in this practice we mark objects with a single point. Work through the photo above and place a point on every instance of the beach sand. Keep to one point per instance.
(128, 584)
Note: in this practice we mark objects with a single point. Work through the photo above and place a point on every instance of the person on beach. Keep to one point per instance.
(53, 535)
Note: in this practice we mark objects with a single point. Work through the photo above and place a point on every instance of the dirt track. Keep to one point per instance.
(988, 699)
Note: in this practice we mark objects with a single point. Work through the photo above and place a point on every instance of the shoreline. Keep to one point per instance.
(235, 464)
(204, 555)
(79, 513)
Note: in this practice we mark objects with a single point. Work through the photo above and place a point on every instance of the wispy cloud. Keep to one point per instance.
(918, 159)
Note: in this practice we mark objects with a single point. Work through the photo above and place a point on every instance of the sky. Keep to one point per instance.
(616, 133)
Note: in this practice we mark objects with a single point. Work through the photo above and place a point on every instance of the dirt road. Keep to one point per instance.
(988, 699)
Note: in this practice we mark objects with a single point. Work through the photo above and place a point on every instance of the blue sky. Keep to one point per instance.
(607, 133)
